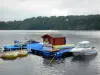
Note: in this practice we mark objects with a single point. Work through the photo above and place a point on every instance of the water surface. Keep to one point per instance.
(36, 65)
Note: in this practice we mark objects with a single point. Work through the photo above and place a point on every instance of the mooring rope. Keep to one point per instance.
(52, 59)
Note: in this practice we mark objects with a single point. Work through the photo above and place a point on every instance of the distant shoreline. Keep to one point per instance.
(72, 22)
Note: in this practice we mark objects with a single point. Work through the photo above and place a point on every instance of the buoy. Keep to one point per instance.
(22, 53)
(10, 55)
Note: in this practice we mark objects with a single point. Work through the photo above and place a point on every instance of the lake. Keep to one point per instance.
(37, 65)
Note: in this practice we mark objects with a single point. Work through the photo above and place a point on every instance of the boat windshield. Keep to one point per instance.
(83, 46)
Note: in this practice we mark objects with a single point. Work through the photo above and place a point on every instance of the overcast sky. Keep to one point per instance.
(22, 9)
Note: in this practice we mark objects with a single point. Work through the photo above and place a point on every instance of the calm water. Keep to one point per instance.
(36, 65)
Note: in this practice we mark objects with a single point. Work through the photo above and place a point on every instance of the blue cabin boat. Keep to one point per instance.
(50, 53)
(19, 45)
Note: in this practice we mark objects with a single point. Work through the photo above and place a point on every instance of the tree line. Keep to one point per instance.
(72, 22)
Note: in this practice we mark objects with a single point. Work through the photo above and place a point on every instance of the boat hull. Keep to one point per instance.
(90, 52)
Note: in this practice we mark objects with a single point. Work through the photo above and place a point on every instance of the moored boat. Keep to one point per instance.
(9, 55)
(83, 48)
(22, 53)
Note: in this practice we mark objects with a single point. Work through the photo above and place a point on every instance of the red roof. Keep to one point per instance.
(53, 35)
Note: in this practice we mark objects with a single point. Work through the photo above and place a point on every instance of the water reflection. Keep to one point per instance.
(50, 62)
(83, 58)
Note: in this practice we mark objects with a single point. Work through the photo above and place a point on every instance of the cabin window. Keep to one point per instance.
(83, 46)
(87, 46)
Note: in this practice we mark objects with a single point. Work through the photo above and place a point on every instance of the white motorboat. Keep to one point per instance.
(83, 48)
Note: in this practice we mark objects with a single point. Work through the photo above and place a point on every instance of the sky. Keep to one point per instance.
(21, 9)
